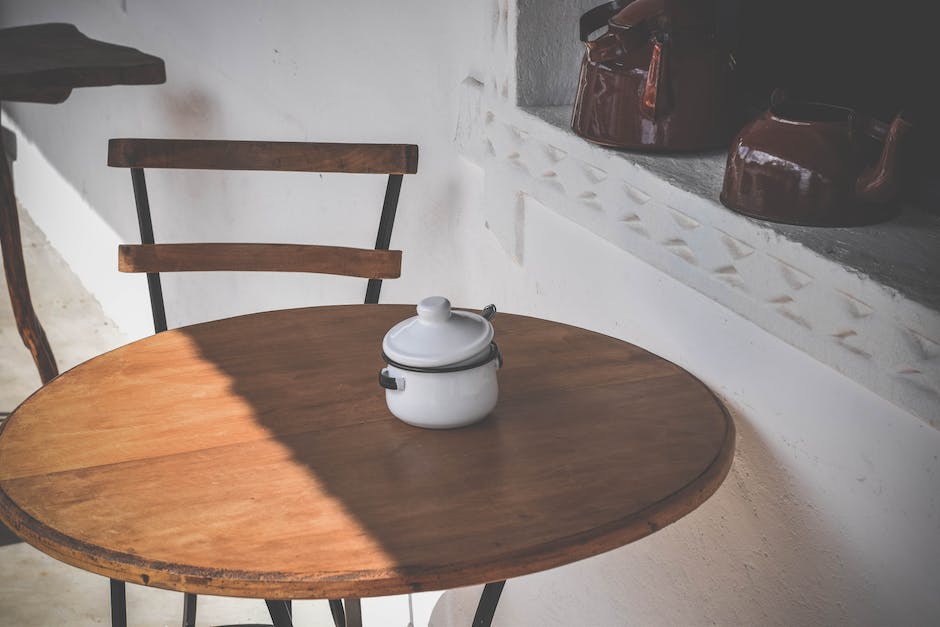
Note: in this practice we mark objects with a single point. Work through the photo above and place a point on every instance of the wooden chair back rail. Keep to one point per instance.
(357, 262)
(198, 154)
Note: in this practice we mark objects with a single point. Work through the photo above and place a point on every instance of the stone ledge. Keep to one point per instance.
(902, 254)
(863, 301)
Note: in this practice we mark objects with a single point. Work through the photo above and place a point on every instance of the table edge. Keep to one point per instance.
(283, 585)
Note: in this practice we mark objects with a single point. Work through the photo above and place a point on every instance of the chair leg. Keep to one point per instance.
(189, 610)
(118, 604)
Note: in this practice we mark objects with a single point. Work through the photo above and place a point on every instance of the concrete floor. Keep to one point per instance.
(36, 590)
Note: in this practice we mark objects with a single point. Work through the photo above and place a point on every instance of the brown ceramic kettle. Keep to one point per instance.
(814, 164)
(656, 80)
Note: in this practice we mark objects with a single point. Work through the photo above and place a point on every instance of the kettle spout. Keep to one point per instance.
(877, 183)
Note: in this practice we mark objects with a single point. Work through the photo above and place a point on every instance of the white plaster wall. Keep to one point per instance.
(831, 513)
(549, 65)
(325, 71)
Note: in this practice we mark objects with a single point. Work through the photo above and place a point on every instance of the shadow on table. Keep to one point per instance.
(472, 495)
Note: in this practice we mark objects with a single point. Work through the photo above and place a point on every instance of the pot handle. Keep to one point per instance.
(489, 312)
(389, 382)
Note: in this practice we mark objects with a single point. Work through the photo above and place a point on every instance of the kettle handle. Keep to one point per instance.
(654, 92)
(879, 182)
(605, 47)
(595, 19)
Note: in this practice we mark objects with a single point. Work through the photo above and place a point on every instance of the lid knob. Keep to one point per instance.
(434, 309)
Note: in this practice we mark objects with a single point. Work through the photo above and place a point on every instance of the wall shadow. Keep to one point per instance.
(732, 561)
(7, 537)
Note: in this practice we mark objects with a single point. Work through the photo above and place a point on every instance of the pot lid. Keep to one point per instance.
(437, 336)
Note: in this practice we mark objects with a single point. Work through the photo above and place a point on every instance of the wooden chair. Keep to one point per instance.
(376, 264)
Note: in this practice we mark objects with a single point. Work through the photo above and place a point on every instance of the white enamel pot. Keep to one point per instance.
(441, 366)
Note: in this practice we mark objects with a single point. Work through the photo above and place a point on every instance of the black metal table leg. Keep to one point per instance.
(353, 613)
(339, 614)
(118, 604)
(487, 606)
(348, 615)
(280, 613)
(189, 610)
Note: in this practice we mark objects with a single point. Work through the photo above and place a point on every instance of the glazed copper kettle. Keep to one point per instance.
(815, 164)
(656, 80)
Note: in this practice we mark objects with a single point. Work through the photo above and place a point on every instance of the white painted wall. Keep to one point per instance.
(831, 513)
(339, 71)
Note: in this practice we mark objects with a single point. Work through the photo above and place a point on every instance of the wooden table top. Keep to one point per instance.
(44, 62)
(255, 457)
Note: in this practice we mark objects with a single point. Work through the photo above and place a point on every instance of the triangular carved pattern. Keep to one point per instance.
(790, 313)
(926, 348)
(681, 248)
(593, 173)
(795, 278)
(633, 222)
(851, 341)
(590, 200)
(635, 194)
(684, 221)
(554, 154)
(854, 307)
(737, 248)
(729, 276)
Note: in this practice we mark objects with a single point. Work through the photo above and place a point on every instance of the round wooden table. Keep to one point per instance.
(255, 457)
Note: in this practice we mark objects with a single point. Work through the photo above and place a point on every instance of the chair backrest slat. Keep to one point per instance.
(200, 154)
(211, 257)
